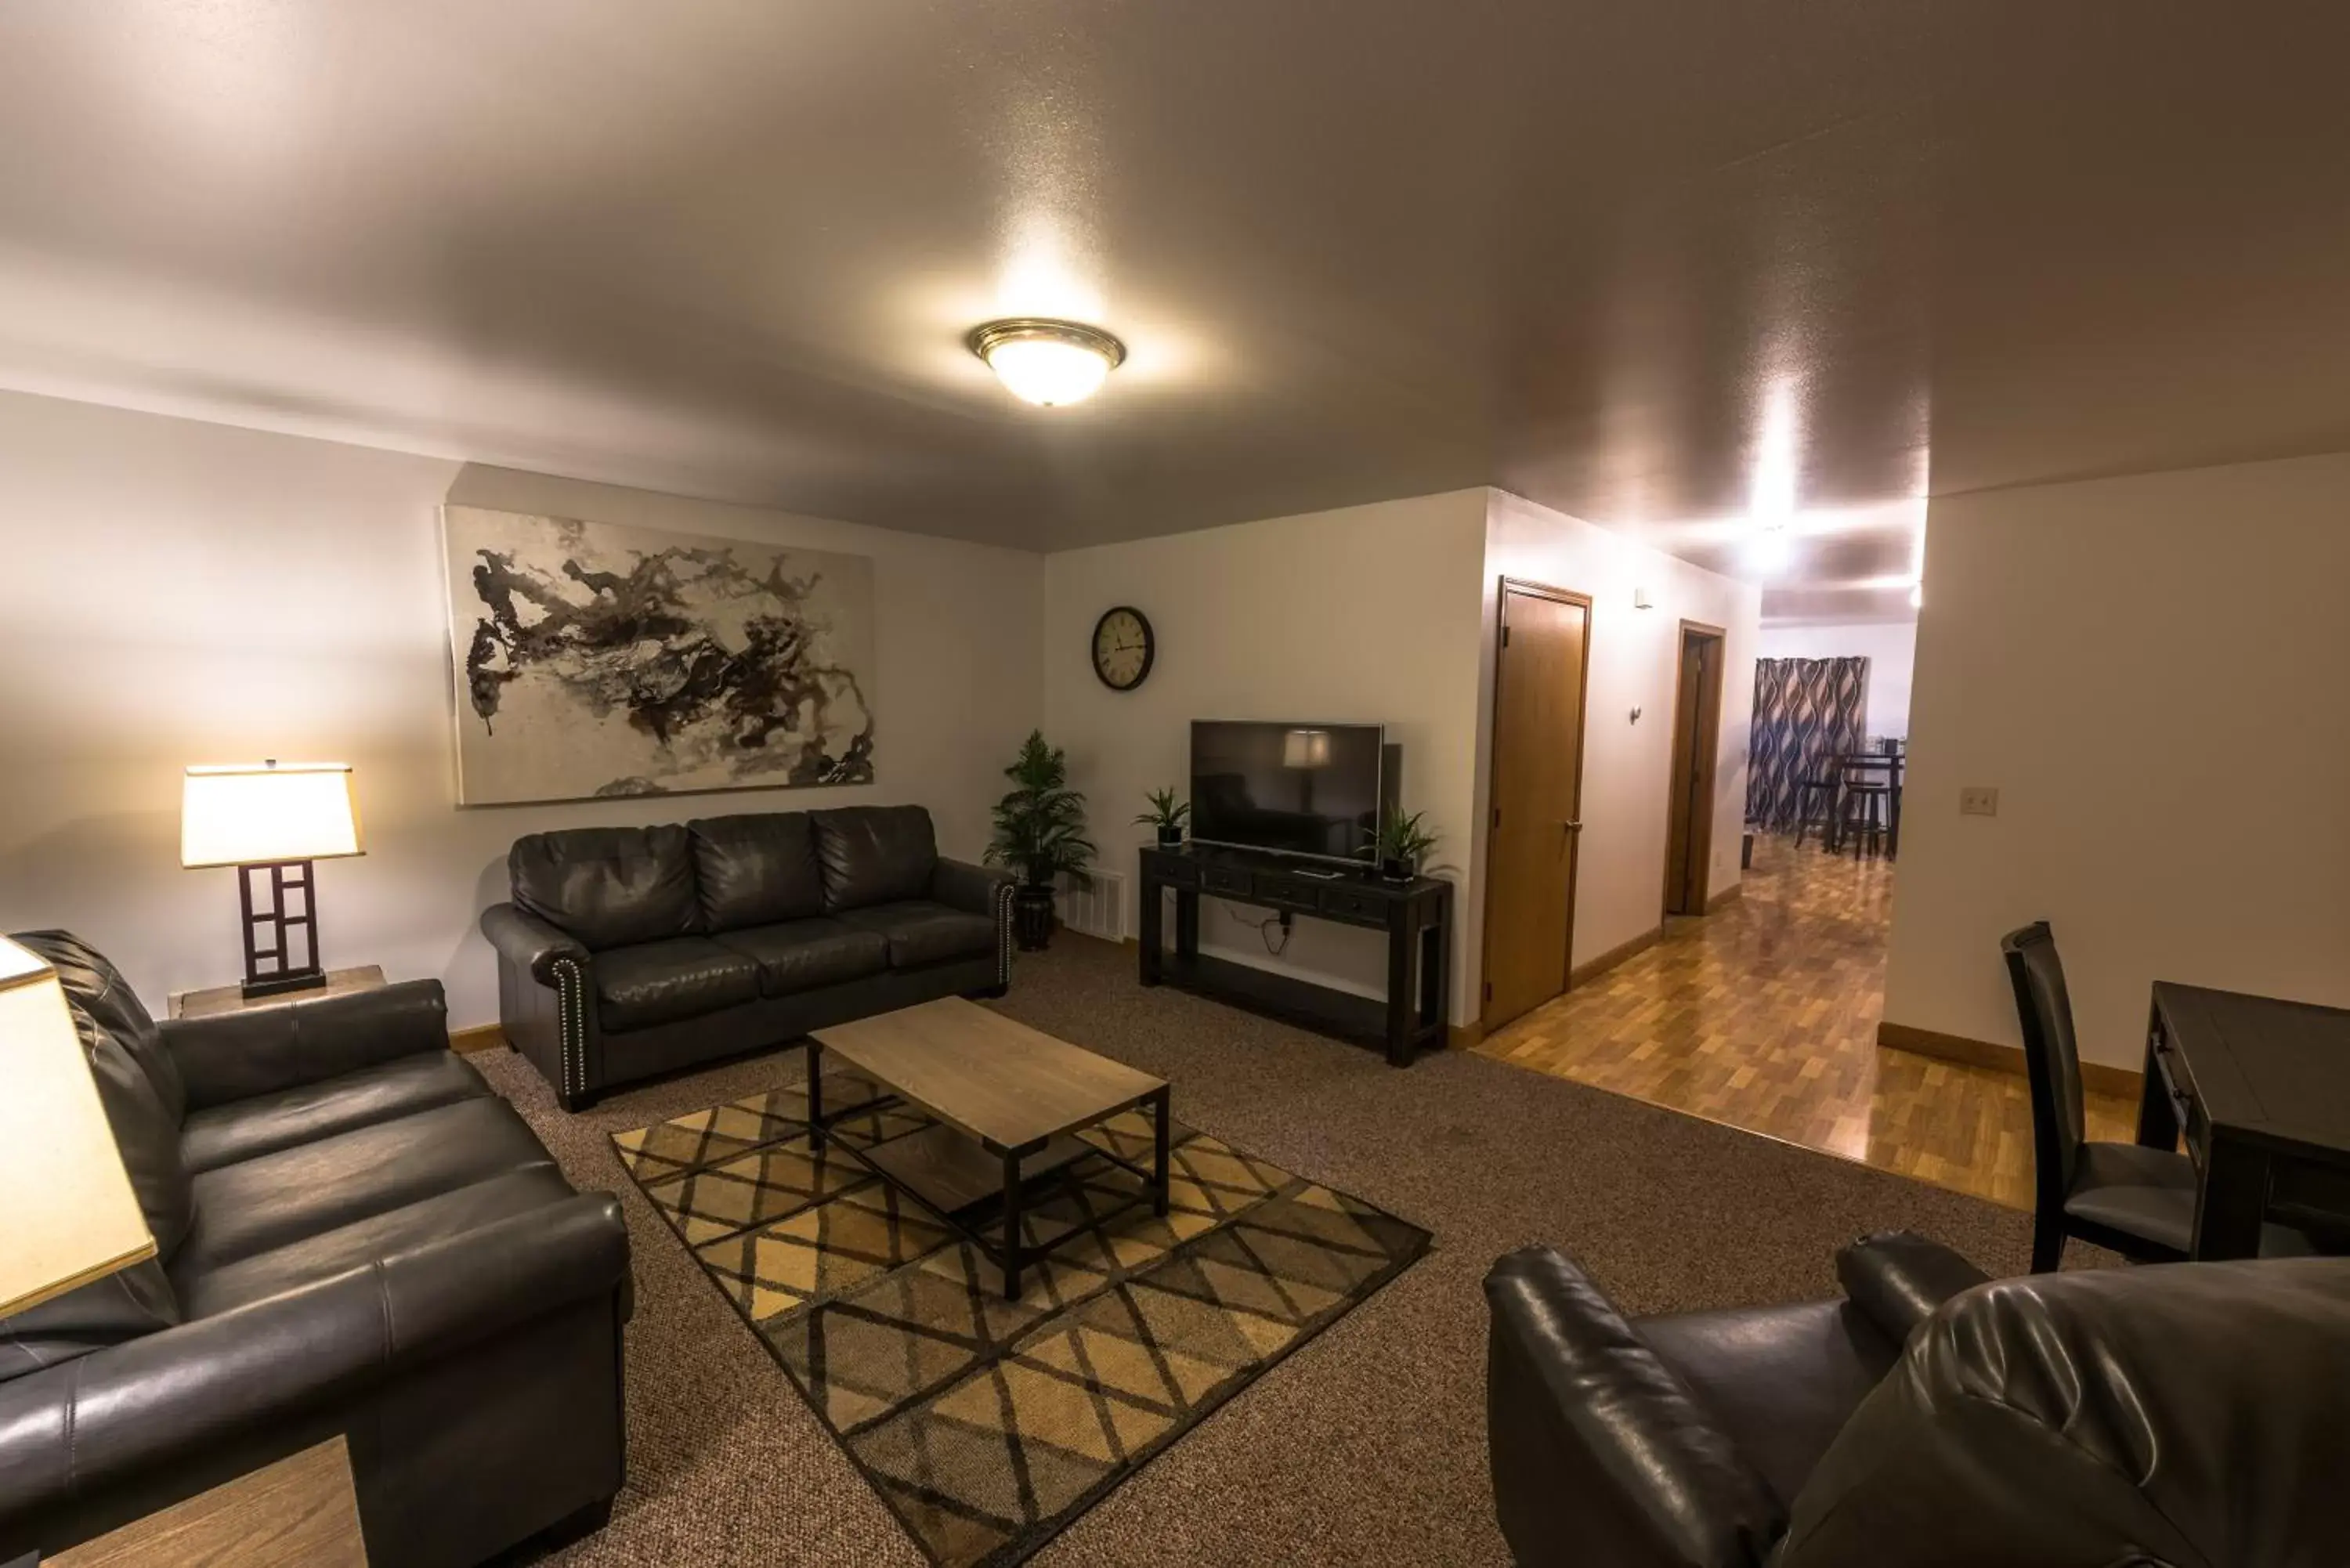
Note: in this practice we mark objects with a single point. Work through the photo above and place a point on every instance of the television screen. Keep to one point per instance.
(1297, 789)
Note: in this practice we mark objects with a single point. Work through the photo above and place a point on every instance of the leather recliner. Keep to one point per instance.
(632, 951)
(2186, 1413)
(354, 1236)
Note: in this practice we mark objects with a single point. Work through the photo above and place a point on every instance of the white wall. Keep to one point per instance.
(2152, 673)
(1890, 647)
(1635, 663)
(184, 592)
(1367, 614)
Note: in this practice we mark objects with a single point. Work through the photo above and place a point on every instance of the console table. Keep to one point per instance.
(1417, 917)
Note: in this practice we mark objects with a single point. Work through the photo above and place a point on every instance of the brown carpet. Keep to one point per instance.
(1367, 1445)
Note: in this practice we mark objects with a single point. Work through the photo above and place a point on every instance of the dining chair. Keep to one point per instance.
(1866, 815)
(1815, 806)
(2124, 1197)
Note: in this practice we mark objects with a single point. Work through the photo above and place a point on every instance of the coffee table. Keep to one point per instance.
(1008, 1100)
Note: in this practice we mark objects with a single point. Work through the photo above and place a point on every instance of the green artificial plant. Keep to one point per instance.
(1040, 826)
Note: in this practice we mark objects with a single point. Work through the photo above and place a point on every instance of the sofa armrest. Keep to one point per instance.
(531, 944)
(106, 1418)
(1599, 1453)
(236, 1056)
(1896, 1280)
(975, 890)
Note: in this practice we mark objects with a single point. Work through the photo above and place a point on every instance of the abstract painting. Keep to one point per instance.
(594, 659)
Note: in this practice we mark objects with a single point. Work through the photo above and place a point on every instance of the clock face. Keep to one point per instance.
(1123, 649)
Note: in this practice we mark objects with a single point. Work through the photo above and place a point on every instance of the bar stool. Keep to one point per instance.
(1815, 806)
(1867, 813)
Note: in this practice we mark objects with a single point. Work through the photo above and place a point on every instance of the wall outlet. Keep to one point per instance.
(1978, 800)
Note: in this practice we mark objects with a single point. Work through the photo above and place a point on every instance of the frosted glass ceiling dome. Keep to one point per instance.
(1047, 362)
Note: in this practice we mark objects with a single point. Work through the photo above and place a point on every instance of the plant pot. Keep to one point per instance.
(1031, 916)
(1397, 870)
(1170, 838)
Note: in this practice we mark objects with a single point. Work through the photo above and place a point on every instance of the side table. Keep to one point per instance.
(219, 999)
(301, 1511)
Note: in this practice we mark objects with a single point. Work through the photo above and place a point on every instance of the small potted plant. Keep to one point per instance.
(1040, 832)
(1401, 842)
(1168, 815)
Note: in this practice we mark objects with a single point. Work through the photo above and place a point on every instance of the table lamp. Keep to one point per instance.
(66, 1204)
(270, 820)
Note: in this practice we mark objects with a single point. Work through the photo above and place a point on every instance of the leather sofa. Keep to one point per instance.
(2178, 1414)
(632, 951)
(354, 1236)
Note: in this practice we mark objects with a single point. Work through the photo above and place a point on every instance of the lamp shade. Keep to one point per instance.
(66, 1205)
(1306, 749)
(254, 813)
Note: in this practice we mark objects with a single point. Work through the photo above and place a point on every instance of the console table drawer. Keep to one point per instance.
(1226, 879)
(1354, 904)
(1289, 892)
(1178, 872)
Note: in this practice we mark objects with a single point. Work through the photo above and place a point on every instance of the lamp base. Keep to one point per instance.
(311, 979)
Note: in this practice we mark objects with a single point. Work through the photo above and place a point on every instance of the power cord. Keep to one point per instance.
(1265, 928)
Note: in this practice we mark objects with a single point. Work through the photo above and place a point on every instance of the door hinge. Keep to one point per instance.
(1489, 991)
(1497, 817)
(1505, 637)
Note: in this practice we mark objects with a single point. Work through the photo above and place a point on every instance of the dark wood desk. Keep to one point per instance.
(2261, 1090)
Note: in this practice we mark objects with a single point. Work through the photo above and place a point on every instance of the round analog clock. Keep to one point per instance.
(1123, 647)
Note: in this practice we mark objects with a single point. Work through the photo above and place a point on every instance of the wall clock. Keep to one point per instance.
(1123, 647)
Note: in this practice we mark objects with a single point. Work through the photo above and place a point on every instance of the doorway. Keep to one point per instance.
(1697, 742)
(1541, 660)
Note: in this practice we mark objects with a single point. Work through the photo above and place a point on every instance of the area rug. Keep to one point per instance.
(987, 1425)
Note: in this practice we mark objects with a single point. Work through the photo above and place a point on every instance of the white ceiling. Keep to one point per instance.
(1656, 263)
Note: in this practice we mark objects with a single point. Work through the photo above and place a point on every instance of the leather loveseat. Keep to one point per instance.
(354, 1236)
(632, 951)
(2184, 1414)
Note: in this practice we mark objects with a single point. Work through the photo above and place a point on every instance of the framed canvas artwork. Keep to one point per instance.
(594, 659)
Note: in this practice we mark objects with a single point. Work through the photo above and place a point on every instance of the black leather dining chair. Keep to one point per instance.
(2124, 1197)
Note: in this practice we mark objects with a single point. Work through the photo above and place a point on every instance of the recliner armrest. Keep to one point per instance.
(147, 1403)
(236, 1056)
(1599, 1453)
(960, 885)
(1896, 1279)
(531, 943)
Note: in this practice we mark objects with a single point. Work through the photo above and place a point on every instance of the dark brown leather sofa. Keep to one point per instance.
(2185, 1414)
(355, 1237)
(632, 951)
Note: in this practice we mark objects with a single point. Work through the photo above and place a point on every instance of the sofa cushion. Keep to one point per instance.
(245, 1129)
(874, 855)
(756, 869)
(145, 1134)
(657, 983)
(90, 978)
(123, 1305)
(259, 1205)
(330, 1252)
(921, 932)
(608, 887)
(803, 955)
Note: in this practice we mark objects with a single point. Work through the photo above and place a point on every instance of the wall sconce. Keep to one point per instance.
(1640, 600)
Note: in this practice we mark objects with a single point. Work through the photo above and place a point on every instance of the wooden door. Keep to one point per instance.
(1689, 811)
(1537, 796)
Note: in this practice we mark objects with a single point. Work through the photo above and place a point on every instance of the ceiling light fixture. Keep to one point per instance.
(1046, 361)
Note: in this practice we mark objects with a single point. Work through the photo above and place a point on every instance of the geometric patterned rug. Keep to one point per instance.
(987, 1426)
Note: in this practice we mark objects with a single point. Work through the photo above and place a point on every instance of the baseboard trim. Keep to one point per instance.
(1972, 1053)
(1592, 969)
(480, 1037)
(1462, 1036)
(1723, 900)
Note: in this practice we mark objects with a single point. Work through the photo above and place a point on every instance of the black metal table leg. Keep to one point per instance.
(1011, 1226)
(2231, 1203)
(815, 1084)
(1158, 1155)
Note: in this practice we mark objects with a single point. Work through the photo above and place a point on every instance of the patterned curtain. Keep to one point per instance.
(1807, 713)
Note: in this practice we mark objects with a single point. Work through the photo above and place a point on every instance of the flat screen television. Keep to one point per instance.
(1291, 789)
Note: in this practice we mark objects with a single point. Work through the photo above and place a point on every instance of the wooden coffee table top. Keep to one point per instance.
(1002, 1082)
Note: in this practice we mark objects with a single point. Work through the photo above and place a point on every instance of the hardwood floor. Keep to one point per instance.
(1764, 1016)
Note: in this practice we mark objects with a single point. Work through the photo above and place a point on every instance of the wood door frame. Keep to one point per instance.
(1504, 588)
(1699, 851)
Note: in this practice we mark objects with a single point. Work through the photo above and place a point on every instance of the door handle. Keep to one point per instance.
(1571, 826)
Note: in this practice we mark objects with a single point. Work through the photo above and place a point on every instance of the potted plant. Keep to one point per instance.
(1168, 816)
(1040, 832)
(1401, 842)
